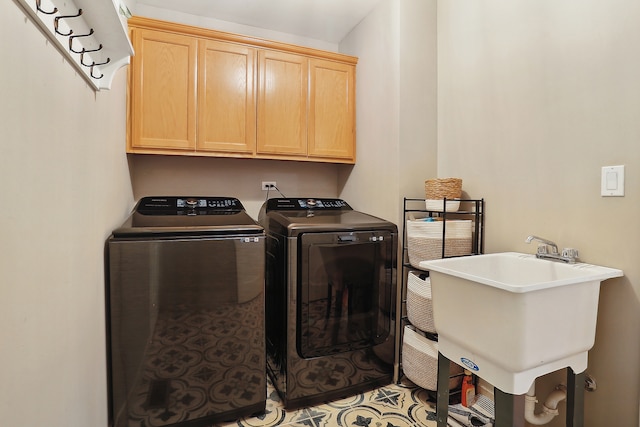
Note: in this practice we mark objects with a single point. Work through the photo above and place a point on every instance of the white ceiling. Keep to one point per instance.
(327, 20)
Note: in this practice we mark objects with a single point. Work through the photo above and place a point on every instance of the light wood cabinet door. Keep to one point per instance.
(226, 97)
(282, 103)
(163, 91)
(331, 110)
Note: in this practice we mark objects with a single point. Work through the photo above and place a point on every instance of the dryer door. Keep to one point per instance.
(345, 288)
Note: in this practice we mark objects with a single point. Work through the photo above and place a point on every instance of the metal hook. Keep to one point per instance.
(93, 64)
(80, 35)
(58, 18)
(96, 77)
(102, 63)
(92, 50)
(82, 59)
(55, 9)
(83, 51)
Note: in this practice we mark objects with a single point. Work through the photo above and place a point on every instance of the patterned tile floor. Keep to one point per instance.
(394, 405)
(188, 347)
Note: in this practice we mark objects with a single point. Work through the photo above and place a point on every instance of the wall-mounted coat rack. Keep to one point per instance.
(91, 34)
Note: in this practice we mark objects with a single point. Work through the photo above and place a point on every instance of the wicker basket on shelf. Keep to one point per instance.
(436, 190)
(443, 188)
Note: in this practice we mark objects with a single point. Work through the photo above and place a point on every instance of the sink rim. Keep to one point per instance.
(574, 273)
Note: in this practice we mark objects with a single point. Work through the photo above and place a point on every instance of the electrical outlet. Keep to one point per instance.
(268, 185)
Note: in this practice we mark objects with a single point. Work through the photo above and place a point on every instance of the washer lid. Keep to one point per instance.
(188, 216)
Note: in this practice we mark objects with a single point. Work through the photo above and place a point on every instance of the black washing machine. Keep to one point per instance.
(185, 305)
(330, 299)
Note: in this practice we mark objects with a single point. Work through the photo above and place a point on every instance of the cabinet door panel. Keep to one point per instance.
(331, 110)
(164, 98)
(282, 103)
(226, 98)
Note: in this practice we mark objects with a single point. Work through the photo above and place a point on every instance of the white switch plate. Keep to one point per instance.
(612, 183)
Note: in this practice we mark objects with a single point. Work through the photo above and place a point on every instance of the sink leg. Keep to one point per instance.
(442, 399)
(575, 398)
(509, 409)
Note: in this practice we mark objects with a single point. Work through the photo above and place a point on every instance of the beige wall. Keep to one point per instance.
(534, 97)
(242, 178)
(396, 104)
(64, 185)
(417, 112)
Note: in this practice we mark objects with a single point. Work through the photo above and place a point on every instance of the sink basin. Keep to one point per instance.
(512, 317)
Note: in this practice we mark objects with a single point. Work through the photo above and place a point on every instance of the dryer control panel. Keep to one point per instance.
(290, 204)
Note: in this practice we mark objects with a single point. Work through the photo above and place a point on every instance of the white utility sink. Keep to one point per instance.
(512, 317)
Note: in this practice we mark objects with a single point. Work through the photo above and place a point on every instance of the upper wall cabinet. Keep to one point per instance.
(201, 92)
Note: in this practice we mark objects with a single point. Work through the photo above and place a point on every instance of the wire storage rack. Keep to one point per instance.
(471, 210)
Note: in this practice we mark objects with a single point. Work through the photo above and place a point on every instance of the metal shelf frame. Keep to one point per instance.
(473, 209)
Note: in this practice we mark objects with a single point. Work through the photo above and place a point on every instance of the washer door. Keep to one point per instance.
(345, 285)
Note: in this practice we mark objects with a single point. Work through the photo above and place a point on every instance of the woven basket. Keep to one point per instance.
(419, 303)
(443, 188)
(424, 239)
(420, 361)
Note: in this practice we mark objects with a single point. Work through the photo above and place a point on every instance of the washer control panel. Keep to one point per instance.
(196, 205)
(207, 203)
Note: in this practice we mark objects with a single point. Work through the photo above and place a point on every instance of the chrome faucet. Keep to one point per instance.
(549, 250)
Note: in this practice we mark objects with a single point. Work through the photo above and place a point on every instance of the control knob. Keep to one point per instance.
(191, 203)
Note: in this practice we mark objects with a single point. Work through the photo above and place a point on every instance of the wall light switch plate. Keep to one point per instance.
(612, 183)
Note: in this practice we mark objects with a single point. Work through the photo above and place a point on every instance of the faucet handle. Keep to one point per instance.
(570, 253)
(544, 246)
(544, 249)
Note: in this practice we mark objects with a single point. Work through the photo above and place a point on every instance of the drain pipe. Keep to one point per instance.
(549, 409)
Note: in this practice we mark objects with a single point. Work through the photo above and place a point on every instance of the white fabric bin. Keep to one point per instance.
(419, 303)
(420, 361)
(425, 238)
